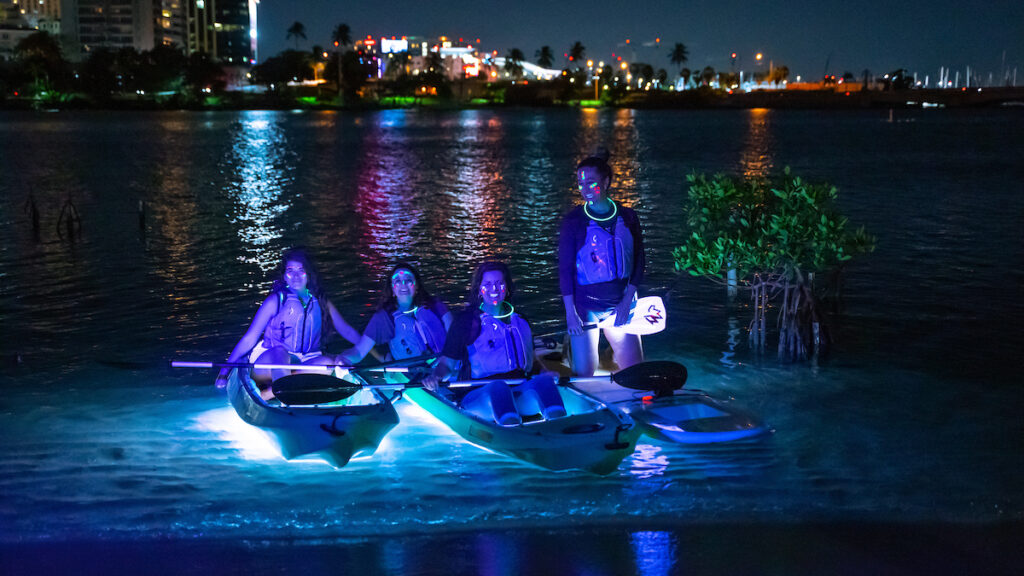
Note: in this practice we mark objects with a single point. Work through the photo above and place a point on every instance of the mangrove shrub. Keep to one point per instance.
(778, 234)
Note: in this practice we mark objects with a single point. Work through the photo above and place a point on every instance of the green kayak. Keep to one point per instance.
(591, 437)
(336, 432)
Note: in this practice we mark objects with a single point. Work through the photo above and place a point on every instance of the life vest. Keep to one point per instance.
(295, 326)
(416, 333)
(605, 257)
(500, 347)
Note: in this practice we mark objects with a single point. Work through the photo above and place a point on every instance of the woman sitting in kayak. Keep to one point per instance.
(290, 325)
(408, 320)
(490, 340)
(600, 264)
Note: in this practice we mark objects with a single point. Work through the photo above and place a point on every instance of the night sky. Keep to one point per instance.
(878, 35)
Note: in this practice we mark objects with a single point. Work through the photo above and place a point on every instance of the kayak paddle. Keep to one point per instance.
(390, 366)
(647, 316)
(661, 377)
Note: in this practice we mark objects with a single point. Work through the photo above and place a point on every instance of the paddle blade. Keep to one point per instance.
(305, 389)
(647, 316)
(661, 376)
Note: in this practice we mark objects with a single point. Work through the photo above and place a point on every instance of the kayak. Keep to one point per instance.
(336, 432)
(682, 416)
(591, 437)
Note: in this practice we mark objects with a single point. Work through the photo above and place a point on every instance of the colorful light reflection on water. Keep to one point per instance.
(100, 442)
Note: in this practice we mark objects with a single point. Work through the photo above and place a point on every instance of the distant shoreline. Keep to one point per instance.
(533, 97)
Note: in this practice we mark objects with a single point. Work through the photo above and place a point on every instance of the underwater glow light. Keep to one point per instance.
(250, 442)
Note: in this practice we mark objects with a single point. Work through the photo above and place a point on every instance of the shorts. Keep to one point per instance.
(594, 311)
(302, 358)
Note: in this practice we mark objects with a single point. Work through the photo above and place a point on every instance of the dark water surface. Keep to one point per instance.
(914, 424)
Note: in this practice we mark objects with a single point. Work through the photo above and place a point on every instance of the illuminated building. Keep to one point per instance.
(13, 29)
(38, 13)
(459, 59)
(224, 29)
(170, 22)
(114, 24)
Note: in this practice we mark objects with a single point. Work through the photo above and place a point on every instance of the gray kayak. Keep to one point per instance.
(684, 416)
(590, 437)
(336, 432)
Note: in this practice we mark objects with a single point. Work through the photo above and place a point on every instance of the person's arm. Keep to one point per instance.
(622, 309)
(355, 354)
(636, 275)
(455, 342)
(251, 337)
(567, 276)
(443, 370)
(573, 322)
(441, 310)
(347, 331)
(379, 329)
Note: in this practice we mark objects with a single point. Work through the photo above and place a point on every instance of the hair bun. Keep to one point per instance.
(601, 153)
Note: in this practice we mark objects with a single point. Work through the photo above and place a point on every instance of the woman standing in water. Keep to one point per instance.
(408, 320)
(490, 340)
(600, 264)
(290, 325)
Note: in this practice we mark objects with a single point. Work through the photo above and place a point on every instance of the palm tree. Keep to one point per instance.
(342, 37)
(679, 54)
(514, 62)
(707, 75)
(434, 65)
(577, 52)
(296, 30)
(398, 63)
(545, 57)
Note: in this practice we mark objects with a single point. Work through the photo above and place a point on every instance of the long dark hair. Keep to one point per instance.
(599, 161)
(388, 301)
(300, 255)
(478, 277)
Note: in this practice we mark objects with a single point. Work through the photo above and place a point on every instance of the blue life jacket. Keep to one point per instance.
(501, 347)
(416, 333)
(605, 257)
(297, 327)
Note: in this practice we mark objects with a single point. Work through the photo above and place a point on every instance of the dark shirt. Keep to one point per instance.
(381, 327)
(572, 237)
(464, 331)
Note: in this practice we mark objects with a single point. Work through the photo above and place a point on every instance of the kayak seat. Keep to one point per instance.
(552, 412)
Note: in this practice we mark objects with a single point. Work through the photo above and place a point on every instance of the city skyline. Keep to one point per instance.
(810, 38)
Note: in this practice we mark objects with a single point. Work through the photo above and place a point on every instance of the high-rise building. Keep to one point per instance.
(170, 23)
(88, 25)
(35, 10)
(224, 29)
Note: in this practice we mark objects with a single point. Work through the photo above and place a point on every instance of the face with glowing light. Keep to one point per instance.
(592, 186)
(492, 287)
(403, 285)
(295, 276)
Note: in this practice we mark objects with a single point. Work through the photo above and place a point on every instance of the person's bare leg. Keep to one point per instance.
(627, 348)
(584, 352)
